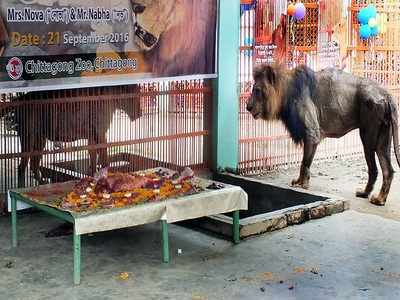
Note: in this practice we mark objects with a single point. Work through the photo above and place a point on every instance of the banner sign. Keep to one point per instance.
(47, 44)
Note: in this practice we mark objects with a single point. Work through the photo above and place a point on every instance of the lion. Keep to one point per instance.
(329, 103)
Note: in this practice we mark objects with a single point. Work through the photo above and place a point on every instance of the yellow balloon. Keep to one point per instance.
(372, 22)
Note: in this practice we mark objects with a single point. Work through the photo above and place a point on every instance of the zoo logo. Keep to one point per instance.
(15, 68)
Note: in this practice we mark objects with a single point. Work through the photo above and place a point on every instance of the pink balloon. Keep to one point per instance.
(300, 11)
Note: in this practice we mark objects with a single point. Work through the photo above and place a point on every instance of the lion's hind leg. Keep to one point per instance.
(384, 155)
(369, 140)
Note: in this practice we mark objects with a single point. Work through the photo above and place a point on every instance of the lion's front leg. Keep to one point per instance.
(308, 155)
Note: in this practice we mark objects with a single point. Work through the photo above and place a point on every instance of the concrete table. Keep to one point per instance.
(207, 203)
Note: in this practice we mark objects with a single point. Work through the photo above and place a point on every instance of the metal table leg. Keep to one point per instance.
(77, 258)
(236, 227)
(165, 242)
(13, 222)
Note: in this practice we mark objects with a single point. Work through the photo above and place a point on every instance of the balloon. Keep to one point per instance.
(372, 11)
(246, 7)
(363, 16)
(300, 11)
(372, 22)
(375, 31)
(291, 9)
(365, 32)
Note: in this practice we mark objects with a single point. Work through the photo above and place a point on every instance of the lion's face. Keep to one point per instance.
(256, 104)
(264, 102)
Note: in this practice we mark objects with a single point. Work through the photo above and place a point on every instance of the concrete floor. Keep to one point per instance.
(342, 177)
(346, 256)
(354, 255)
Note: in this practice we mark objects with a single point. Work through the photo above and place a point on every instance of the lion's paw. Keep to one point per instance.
(299, 184)
(376, 200)
(361, 193)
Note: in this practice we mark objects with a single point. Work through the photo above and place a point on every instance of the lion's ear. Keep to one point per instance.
(265, 72)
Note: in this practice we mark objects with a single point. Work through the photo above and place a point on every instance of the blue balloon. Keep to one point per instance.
(365, 32)
(246, 7)
(371, 11)
(367, 13)
(364, 16)
(374, 31)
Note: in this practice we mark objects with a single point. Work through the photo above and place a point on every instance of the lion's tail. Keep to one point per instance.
(395, 130)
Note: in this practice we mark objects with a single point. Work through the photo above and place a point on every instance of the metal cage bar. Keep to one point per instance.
(61, 135)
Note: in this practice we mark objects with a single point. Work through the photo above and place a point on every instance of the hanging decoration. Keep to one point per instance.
(297, 11)
(247, 5)
(300, 11)
(291, 9)
(365, 32)
(371, 23)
